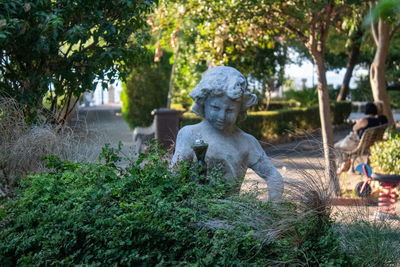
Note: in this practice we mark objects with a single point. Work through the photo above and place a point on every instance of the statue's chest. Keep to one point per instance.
(227, 153)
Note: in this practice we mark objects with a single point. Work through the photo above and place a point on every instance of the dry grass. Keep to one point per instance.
(366, 239)
(23, 146)
(370, 241)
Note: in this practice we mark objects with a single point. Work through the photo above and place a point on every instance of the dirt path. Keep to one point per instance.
(101, 125)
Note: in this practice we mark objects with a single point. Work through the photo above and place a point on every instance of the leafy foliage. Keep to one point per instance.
(363, 90)
(305, 97)
(385, 157)
(144, 214)
(145, 90)
(209, 33)
(274, 105)
(65, 46)
(386, 9)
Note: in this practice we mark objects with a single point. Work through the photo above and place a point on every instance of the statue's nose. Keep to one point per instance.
(221, 115)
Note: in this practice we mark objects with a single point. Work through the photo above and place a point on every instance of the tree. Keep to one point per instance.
(354, 33)
(58, 48)
(210, 33)
(146, 89)
(226, 26)
(384, 22)
(309, 22)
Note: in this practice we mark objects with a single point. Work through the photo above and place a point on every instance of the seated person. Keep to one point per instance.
(351, 141)
(222, 98)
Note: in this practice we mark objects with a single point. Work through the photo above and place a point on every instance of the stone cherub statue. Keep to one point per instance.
(222, 98)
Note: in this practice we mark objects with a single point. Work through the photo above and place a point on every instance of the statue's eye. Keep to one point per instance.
(214, 107)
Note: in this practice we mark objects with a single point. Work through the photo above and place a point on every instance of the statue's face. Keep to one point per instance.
(221, 112)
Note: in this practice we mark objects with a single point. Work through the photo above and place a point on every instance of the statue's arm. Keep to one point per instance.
(183, 150)
(263, 166)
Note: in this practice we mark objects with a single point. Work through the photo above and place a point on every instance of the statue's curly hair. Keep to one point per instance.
(222, 80)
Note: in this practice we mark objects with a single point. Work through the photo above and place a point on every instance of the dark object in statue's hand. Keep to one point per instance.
(200, 149)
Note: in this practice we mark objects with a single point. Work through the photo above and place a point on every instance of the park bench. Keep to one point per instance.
(369, 137)
(143, 134)
(164, 128)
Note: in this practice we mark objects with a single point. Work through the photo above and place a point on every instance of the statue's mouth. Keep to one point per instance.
(220, 124)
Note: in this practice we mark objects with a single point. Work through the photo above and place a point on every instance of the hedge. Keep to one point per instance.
(146, 89)
(270, 124)
(274, 105)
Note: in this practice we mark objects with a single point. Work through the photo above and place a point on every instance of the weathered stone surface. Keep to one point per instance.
(222, 98)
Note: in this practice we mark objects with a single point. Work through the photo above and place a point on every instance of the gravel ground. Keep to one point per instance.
(102, 125)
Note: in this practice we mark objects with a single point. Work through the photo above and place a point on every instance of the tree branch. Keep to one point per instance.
(66, 107)
(329, 14)
(68, 111)
(288, 26)
(375, 35)
(374, 25)
(68, 50)
(396, 28)
(298, 33)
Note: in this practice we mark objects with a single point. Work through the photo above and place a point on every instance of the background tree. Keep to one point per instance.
(224, 27)
(146, 89)
(353, 31)
(212, 33)
(58, 48)
(385, 23)
(309, 22)
(264, 67)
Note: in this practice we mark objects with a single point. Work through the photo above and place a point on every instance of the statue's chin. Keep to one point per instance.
(220, 127)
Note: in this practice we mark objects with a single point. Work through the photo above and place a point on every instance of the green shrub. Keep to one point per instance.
(306, 97)
(270, 124)
(385, 156)
(274, 105)
(144, 214)
(145, 90)
(340, 112)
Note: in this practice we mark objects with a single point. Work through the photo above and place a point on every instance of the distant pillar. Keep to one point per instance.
(111, 94)
(167, 126)
(304, 80)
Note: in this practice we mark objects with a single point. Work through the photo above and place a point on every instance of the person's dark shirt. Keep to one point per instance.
(372, 122)
(382, 119)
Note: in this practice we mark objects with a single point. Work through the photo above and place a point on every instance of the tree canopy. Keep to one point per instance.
(60, 48)
(210, 33)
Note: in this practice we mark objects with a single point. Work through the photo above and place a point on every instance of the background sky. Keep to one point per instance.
(293, 71)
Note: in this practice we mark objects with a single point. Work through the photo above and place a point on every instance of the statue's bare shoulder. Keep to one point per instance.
(188, 132)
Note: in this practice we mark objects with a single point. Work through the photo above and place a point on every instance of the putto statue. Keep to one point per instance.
(222, 98)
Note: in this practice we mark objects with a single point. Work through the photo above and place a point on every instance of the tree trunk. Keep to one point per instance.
(351, 63)
(171, 78)
(326, 125)
(378, 67)
(268, 93)
(171, 86)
